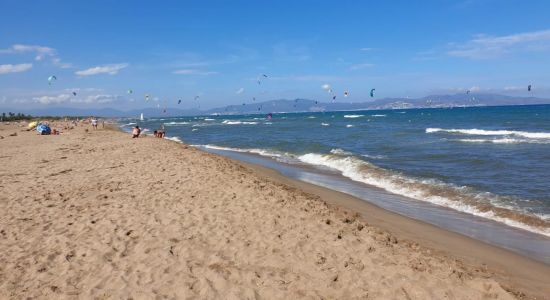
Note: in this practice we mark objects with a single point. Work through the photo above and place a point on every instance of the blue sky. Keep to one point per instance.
(175, 50)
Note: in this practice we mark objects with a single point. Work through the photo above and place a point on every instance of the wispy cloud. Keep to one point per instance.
(320, 78)
(40, 51)
(58, 63)
(111, 69)
(366, 49)
(360, 66)
(84, 99)
(487, 47)
(9, 68)
(194, 72)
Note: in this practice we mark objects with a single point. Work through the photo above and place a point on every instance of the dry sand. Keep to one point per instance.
(100, 215)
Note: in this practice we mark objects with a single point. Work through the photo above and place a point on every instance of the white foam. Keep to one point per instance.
(339, 151)
(194, 129)
(475, 131)
(353, 116)
(325, 124)
(362, 171)
(129, 124)
(349, 125)
(312, 117)
(174, 138)
(228, 122)
(175, 123)
(378, 115)
(279, 156)
(505, 141)
(206, 119)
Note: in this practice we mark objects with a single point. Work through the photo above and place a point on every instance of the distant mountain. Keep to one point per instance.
(434, 101)
(303, 105)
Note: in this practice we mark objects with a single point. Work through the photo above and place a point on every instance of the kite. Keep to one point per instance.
(179, 101)
(346, 93)
(240, 91)
(372, 92)
(74, 93)
(146, 97)
(326, 87)
(467, 92)
(197, 97)
(130, 92)
(51, 79)
(333, 97)
(529, 88)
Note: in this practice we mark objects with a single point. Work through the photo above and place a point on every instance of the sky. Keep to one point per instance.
(217, 50)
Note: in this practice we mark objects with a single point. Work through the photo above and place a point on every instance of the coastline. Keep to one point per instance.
(419, 258)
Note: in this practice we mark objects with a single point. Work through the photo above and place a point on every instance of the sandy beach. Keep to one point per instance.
(97, 214)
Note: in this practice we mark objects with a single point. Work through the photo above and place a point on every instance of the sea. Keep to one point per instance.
(480, 171)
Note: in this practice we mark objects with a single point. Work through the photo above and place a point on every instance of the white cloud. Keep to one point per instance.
(40, 51)
(486, 47)
(515, 88)
(361, 66)
(303, 78)
(9, 68)
(111, 69)
(61, 98)
(194, 72)
(70, 98)
(57, 62)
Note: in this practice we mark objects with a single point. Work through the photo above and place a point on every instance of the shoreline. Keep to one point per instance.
(110, 210)
(534, 273)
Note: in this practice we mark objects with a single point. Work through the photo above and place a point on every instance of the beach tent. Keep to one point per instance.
(43, 129)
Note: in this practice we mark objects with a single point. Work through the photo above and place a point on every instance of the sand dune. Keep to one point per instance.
(100, 215)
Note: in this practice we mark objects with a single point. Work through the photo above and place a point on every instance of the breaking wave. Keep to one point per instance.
(228, 122)
(463, 199)
(353, 116)
(474, 131)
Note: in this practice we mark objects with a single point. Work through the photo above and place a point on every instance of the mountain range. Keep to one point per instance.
(302, 105)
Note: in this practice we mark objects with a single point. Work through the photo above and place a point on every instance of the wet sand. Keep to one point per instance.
(98, 214)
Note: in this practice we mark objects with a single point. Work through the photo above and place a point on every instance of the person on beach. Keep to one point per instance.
(94, 123)
(135, 132)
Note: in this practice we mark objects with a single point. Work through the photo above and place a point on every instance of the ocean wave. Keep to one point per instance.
(459, 198)
(339, 151)
(474, 131)
(174, 138)
(228, 122)
(325, 124)
(312, 117)
(129, 124)
(279, 156)
(353, 116)
(207, 119)
(378, 115)
(175, 123)
(374, 156)
(505, 141)
(349, 126)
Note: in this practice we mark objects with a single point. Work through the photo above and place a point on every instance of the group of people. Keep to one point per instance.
(136, 132)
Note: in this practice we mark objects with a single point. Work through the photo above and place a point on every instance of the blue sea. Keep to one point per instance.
(492, 163)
